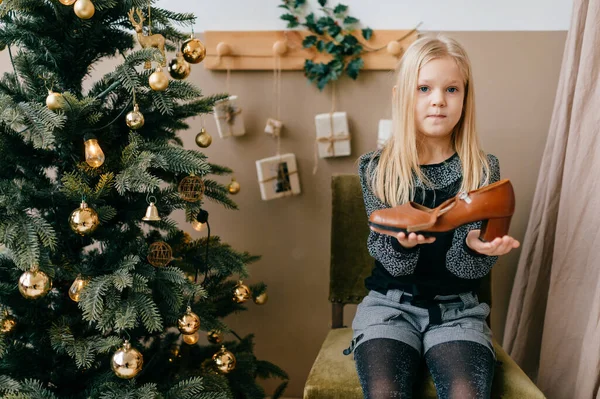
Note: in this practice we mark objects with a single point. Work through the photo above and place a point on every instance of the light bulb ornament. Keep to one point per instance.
(94, 156)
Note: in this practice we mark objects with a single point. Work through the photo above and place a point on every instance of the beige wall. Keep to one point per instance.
(515, 80)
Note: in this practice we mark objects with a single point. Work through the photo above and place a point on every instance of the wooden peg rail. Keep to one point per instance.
(256, 50)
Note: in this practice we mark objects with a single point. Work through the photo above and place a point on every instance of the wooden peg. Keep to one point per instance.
(280, 47)
(223, 49)
(394, 48)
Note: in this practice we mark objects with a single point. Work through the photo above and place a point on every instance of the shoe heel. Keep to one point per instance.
(493, 228)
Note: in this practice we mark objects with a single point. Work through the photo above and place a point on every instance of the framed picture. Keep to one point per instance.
(278, 176)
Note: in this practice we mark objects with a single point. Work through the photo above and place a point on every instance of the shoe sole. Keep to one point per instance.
(401, 230)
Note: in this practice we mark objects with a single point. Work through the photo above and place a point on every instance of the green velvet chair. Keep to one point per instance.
(333, 375)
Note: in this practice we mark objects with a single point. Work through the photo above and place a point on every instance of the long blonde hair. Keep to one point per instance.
(393, 180)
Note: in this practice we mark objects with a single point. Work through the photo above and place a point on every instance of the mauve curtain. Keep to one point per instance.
(553, 323)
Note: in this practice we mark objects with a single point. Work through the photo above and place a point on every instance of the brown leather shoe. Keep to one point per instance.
(493, 204)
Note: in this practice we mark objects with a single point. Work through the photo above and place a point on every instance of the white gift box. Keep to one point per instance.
(333, 137)
(384, 133)
(278, 176)
(228, 117)
(273, 127)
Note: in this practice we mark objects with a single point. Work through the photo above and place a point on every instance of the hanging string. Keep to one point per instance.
(333, 107)
(149, 20)
(277, 97)
(228, 81)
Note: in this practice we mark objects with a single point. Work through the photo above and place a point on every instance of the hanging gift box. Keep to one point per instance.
(384, 132)
(333, 137)
(273, 127)
(278, 176)
(229, 118)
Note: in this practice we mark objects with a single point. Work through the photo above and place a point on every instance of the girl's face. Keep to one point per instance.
(439, 98)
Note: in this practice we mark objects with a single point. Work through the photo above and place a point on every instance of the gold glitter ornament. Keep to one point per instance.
(34, 284)
(189, 323)
(224, 360)
(127, 362)
(203, 139)
(193, 50)
(214, 336)
(159, 254)
(84, 220)
(241, 293)
(135, 119)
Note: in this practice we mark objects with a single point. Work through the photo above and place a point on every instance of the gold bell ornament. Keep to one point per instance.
(7, 323)
(84, 220)
(84, 9)
(34, 284)
(135, 119)
(179, 67)
(214, 336)
(224, 360)
(76, 288)
(203, 139)
(54, 100)
(158, 80)
(233, 187)
(193, 50)
(127, 362)
(191, 339)
(151, 212)
(94, 156)
(241, 293)
(189, 323)
(261, 299)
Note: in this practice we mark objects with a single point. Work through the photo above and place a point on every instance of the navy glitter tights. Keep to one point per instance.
(388, 369)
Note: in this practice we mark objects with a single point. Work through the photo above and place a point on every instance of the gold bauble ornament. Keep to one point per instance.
(7, 324)
(214, 336)
(159, 254)
(191, 188)
(233, 187)
(135, 119)
(261, 299)
(191, 339)
(224, 360)
(179, 67)
(189, 323)
(34, 284)
(241, 293)
(127, 362)
(84, 220)
(67, 2)
(203, 139)
(158, 80)
(84, 9)
(76, 288)
(193, 50)
(54, 100)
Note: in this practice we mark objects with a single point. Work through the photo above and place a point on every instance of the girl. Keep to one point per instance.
(423, 290)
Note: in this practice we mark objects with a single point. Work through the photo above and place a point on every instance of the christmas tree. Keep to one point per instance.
(102, 295)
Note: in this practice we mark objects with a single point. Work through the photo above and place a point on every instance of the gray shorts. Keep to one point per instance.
(393, 316)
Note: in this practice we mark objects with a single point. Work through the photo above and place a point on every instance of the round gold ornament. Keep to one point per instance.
(7, 324)
(158, 80)
(179, 67)
(135, 119)
(233, 187)
(34, 284)
(67, 2)
(84, 220)
(159, 254)
(261, 299)
(54, 100)
(224, 360)
(203, 139)
(191, 188)
(76, 288)
(193, 50)
(84, 9)
(189, 323)
(127, 362)
(241, 293)
(214, 337)
(191, 339)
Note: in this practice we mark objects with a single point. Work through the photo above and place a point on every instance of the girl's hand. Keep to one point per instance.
(499, 246)
(406, 241)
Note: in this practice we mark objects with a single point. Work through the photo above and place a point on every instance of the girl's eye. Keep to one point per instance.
(423, 89)
(452, 90)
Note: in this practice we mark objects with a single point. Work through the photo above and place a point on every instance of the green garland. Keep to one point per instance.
(332, 34)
